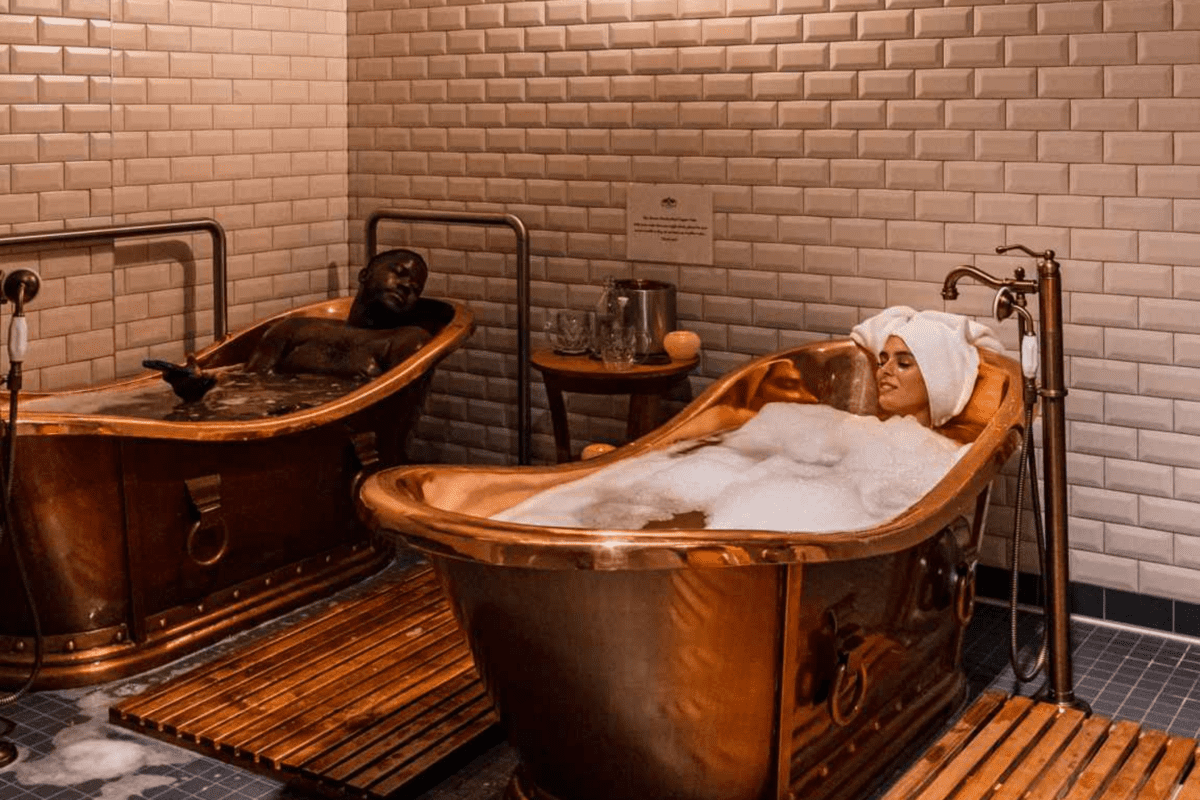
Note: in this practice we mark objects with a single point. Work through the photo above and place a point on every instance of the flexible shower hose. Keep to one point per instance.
(10, 450)
(1023, 474)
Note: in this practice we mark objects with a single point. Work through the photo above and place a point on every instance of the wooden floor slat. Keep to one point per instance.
(1007, 751)
(361, 699)
(1165, 778)
(303, 697)
(259, 688)
(351, 703)
(1079, 751)
(928, 766)
(1191, 787)
(395, 714)
(1065, 726)
(274, 649)
(1005, 720)
(1004, 749)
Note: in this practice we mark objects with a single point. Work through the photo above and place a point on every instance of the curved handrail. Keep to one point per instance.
(104, 232)
(524, 409)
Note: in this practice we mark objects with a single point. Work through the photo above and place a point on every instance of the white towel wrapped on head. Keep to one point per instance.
(944, 346)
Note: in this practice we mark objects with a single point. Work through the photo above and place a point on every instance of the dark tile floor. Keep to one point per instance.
(69, 752)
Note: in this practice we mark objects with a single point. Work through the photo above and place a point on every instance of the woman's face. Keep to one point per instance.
(901, 387)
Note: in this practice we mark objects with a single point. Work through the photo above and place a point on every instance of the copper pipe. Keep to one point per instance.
(1053, 394)
(105, 232)
(950, 285)
(524, 416)
(1054, 472)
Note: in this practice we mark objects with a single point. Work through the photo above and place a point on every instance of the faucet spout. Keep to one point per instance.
(950, 285)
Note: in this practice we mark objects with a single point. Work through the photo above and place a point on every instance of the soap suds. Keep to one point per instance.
(793, 467)
(95, 750)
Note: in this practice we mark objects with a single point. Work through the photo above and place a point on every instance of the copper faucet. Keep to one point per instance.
(1053, 392)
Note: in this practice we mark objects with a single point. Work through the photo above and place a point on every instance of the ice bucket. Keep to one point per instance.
(651, 310)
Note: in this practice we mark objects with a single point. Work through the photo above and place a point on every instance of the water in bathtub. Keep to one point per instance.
(238, 395)
(793, 467)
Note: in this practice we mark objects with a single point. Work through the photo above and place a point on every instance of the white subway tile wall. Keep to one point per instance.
(856, 152)
(146, 110)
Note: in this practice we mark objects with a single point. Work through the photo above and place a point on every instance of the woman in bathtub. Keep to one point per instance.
(800, 466)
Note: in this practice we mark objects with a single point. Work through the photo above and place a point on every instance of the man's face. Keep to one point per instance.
(395, 285)
(901, 386)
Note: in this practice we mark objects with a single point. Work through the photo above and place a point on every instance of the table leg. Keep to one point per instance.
(643, 414)
(558, 418)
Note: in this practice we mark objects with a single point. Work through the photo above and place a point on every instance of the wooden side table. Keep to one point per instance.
(644, 383)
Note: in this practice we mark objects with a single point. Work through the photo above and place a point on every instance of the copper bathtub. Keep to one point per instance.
(148, 539)
(714, 664)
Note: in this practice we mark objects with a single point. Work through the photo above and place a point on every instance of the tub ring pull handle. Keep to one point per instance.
(964, 594)
(839, 687)
(205, 495)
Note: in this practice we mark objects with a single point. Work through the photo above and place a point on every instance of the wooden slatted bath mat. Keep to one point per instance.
(362, 700)
(1008, 748)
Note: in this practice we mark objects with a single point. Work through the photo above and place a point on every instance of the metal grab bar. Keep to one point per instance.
(524, 416)
(105, 232)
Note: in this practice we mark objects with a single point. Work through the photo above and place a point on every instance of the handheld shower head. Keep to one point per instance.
(20, 287)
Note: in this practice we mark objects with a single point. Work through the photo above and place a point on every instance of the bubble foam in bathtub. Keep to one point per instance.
(793, 467)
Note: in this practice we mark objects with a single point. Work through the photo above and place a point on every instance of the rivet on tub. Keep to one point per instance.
(19, 647)
(162, 622)
(237, 593)
(119, 637)
(299, 570)
(70, 646)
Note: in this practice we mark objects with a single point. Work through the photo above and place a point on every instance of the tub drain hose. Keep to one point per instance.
(1026, 472)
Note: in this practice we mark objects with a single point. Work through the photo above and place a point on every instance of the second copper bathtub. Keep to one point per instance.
(714, 664)
(146, 539)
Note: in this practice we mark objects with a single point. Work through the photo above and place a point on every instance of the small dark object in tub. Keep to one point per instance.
(188, 381)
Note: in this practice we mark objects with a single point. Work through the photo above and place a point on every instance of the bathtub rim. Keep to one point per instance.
(54, 423)
(392, 502)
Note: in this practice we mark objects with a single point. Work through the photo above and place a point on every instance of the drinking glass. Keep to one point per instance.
(569, 331)
(617, 346)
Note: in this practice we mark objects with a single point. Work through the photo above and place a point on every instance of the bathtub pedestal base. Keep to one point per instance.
(106, 654)
(878, 746)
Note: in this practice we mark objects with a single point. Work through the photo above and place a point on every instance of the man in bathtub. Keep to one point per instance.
(800, 465)
(382, 329)
(379, 333)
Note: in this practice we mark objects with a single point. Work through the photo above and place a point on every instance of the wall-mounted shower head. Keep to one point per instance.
(20, 287)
